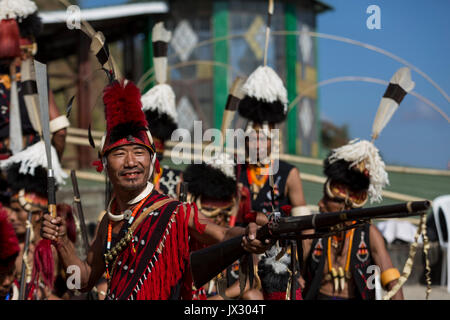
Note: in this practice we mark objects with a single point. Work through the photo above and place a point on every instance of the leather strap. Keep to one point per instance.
(144, 214)
(117, 249)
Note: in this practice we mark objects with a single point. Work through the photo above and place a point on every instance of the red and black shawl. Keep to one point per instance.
(158, 268)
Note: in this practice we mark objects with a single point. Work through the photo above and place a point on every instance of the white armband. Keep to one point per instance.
(59, 123)
(300, 211)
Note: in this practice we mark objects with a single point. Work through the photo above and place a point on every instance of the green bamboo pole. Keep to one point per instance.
(220, 77)
(148, 53)
(291, 76)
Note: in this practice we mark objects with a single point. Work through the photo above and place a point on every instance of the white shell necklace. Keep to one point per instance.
(127, 213)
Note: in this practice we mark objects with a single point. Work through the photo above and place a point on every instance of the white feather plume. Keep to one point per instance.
(159, 33)
(265, 84)
(388, 106)
(402, 77)
(16, 9)
(355, 152)
(280, 266)
(161, 98)
(35, 156)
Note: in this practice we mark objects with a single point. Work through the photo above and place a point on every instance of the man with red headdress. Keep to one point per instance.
(9, 250)
(143, 241)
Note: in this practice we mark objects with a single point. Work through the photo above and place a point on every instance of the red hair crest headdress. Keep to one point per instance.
(125, 121)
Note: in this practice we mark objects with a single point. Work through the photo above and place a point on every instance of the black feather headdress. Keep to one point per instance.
(209, 183)
(36, 183)
(265, 97)
(161, 124)
(31, 26)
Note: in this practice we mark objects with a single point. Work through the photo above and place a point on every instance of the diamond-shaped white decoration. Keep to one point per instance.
(306, 117)
(184, 40)
(256, 36)
(260, 36)
(305, 43)
(186, 114)
(170, 181)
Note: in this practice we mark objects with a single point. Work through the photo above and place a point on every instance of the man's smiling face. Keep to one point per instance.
(128, 167)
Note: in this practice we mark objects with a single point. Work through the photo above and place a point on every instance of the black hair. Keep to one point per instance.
(340, 172)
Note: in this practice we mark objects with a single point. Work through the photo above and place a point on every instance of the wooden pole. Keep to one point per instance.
(84, 97)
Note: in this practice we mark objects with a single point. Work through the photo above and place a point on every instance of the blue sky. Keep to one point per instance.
(416, 31)
(97, 3)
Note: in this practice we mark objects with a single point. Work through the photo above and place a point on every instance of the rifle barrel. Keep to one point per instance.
(209, 262)
(324, 220)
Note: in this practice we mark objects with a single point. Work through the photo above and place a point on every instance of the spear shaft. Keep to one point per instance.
(77, 200)
(23, 278)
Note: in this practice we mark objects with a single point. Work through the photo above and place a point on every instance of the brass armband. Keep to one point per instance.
(389, 275)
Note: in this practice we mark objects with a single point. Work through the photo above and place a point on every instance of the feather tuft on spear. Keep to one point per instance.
(399, 85)
(161, 97)
(160, 42)
(235, 95)
(158, 103)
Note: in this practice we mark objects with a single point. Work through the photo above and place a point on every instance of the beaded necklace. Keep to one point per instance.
(109, 238)
(6, 80)
(157, 177)
(255, 183)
